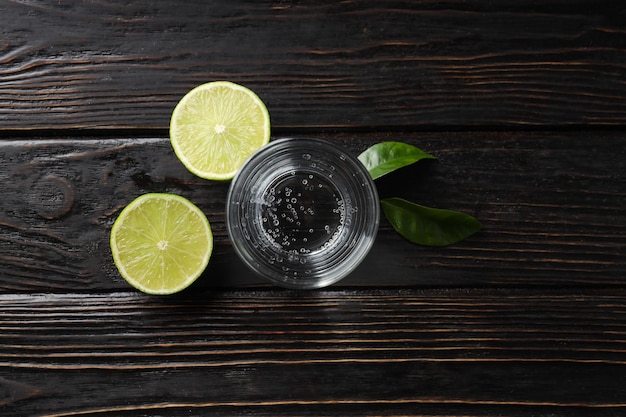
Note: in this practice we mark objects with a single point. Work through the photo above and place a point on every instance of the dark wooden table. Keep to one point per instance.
(524, 104)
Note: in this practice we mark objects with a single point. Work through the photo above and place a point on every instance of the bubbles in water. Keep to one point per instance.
(305, 211)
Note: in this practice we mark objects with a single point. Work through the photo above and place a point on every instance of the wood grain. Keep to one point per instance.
(350, 64)
(523, 103)
(397, 352)
(552, 206)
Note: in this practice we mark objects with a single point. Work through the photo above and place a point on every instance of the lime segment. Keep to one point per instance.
(216, 126)
(161, 243)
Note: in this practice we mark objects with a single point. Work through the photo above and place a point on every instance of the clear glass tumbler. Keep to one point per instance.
(302, 212)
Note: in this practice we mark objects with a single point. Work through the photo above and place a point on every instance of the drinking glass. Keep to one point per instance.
(302, 212)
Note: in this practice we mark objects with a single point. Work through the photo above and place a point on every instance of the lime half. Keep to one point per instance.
(216, 127)
(161, 243)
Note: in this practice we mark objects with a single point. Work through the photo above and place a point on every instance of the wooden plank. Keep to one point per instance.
(552, 206)
(76, 64)
(395, 352)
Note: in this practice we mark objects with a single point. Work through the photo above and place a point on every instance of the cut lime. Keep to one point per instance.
(161, 243)
(216, 127)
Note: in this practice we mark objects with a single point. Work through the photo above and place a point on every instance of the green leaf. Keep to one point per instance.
(385, 157)
(428, 226)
